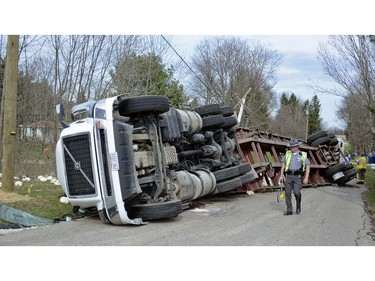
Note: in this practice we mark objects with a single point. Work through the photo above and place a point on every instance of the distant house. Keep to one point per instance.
(343, 137)
(42, 130)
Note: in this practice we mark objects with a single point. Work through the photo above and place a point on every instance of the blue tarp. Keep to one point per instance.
(19, 217)
(370, 159)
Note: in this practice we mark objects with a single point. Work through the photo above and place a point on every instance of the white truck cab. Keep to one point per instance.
(137, 159)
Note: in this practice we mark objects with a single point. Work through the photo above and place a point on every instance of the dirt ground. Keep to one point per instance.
(6, 197)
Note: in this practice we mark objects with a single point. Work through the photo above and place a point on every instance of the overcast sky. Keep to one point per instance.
(265, 19)
(299, 68)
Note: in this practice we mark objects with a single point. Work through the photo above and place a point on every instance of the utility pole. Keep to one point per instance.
(307, 122)
(10, 101)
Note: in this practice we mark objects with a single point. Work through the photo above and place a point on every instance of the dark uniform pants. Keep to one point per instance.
(361, 174)
(292, 183)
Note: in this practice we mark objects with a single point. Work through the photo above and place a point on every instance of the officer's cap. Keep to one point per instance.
(294, 143)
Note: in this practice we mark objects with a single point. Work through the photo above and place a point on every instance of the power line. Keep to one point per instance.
(185, 62)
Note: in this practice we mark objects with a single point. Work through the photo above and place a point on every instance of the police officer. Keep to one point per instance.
(296, 167)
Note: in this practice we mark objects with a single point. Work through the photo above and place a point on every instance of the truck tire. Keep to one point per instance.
(226, 173)
(228, 185)
(206, 110)
(229, 122)
(247, 179)
(349, 174)
(244, 168)
(331, 135)
(334, 169)
(316, 136)
(321, 141)
(333, 142)
(214, 121)
(156, 211)
(143, 104)
(348, 166)
(227, 111)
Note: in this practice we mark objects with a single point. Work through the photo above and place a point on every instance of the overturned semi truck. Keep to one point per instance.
(137, 159)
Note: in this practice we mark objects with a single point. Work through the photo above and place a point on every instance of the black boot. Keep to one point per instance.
(298, 200)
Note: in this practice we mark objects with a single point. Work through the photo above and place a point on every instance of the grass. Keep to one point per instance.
(40, 199)
(370, 194)
(347, 148)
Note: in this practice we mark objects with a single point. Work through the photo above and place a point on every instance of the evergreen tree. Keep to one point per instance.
(315, 121)
(284, 100)
(293, 100)
(290, 119)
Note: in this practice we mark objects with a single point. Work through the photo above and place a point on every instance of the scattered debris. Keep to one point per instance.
(64, 200)
(18, 183)
(41, 178)
(198, 210)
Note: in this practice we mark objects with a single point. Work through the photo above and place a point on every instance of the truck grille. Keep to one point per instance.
(79, 149)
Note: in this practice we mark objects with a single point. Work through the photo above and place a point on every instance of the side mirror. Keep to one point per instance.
(61, 113)
(83, 108)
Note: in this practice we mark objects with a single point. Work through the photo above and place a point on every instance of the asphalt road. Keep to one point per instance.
(331, 216)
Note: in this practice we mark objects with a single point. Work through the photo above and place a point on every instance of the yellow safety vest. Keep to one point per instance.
(288, 157)
(362, 164)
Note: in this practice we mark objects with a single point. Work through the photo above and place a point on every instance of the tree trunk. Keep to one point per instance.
(10, 101)
(2, 124)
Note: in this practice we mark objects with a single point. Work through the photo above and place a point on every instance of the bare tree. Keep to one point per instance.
(350, 61)
(228, 68)
(359, 134)
(69, 69)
